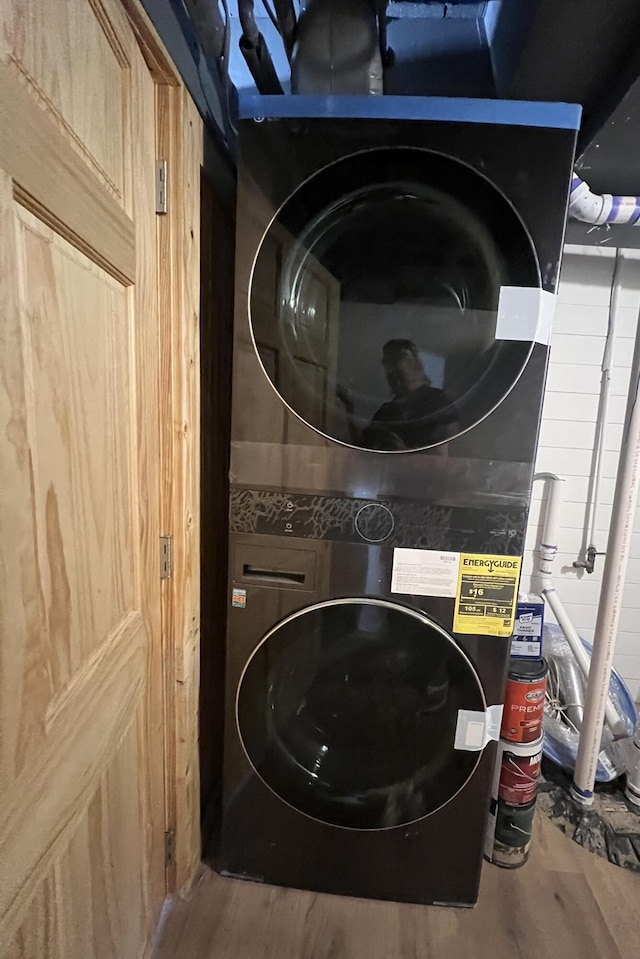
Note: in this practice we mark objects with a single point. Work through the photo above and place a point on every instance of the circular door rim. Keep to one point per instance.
(349, 156)
(423, 618)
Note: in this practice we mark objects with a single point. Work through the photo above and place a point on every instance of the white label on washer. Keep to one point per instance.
(525, 313)
(425, 572)
(475, 729)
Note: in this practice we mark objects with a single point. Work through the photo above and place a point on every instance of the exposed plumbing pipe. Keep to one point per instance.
(602, 208)
(287, 23)
(548, 550)
(255, 51)
(607, 364)
(615, 568)
(603, 415)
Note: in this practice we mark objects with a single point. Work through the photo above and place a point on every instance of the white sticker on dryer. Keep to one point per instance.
(425, 572)
(475, 729)
(525, 313)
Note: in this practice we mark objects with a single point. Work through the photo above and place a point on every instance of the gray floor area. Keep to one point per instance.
(610, 828)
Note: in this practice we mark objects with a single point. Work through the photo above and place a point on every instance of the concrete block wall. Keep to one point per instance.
(567, 438)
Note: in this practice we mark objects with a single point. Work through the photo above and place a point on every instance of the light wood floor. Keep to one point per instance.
(563, 904)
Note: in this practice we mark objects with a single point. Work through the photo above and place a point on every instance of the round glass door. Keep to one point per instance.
(347, 711)
(374, 299)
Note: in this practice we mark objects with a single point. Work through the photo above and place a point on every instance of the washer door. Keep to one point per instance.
(347, 710)
(374, 299)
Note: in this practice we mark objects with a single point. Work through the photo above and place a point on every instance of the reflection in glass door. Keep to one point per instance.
(390, 266)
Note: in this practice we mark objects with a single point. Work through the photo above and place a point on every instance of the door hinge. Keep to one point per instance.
(161, 186)
(169, 847)
(166, 557)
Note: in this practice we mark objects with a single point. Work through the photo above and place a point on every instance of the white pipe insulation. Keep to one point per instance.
(602, 208)
(615, 569)
(548, 550)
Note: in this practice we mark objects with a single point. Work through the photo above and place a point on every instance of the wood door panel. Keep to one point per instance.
(91, 902)
(82, 813)
(39, 936)
(79, 354)
(50, 45)
(73, 353)
(119, 918)
(63, 191)
(77, 340)
(65, 771)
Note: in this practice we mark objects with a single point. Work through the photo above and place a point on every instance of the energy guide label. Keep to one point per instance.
(487, 594)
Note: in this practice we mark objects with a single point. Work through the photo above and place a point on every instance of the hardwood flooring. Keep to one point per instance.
(563, 903)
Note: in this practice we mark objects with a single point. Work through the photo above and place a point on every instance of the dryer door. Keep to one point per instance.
(347, 710)
(381, 310)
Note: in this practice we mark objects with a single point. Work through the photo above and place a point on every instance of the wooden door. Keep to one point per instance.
(81, 750)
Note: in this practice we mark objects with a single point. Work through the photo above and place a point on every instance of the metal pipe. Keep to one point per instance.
(287, 23)
(606, 366)
(618, 548)
(605, 389)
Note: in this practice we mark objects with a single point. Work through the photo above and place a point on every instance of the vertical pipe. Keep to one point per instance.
(618, 547)
(548, 550)
(256, 53)
(286, 16)
(605, 389)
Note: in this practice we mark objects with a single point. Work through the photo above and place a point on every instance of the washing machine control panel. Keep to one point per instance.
(390, 523)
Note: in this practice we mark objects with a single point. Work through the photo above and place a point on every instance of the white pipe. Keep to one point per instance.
(605, 390)
(615, 568)
(548, 550)
(602, 208)
(552, 515)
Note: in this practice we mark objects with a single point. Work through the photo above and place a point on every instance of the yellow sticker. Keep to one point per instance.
(487, 593)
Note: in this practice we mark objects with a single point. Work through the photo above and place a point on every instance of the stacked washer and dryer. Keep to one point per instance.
(396, 260)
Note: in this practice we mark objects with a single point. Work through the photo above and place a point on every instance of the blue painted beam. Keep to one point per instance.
(526, 113)
(464, 9)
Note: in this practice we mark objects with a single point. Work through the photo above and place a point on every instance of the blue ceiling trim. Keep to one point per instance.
(464, 9)
(562, 116)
